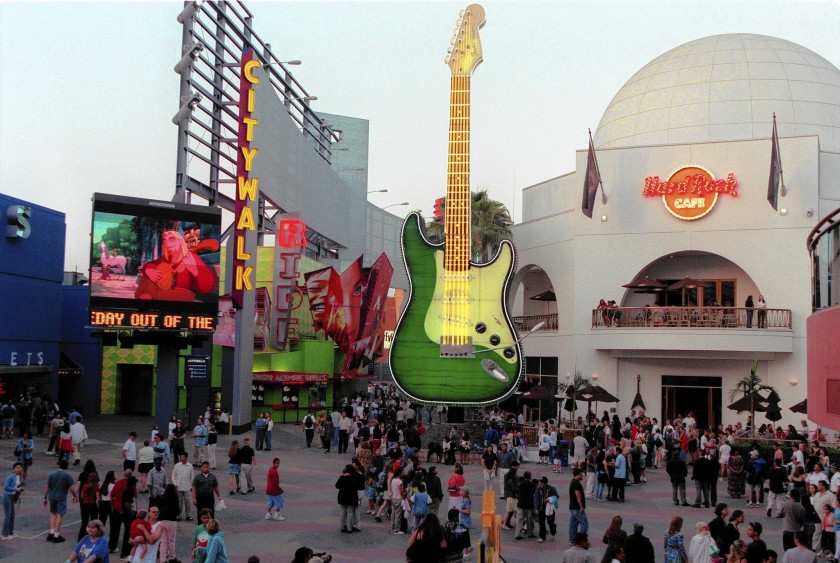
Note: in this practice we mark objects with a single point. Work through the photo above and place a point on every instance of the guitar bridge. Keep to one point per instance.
(448, 349)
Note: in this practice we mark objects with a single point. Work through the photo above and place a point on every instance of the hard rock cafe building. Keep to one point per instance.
(694, 124)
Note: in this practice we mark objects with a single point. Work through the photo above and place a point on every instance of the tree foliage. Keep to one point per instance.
(489, 225)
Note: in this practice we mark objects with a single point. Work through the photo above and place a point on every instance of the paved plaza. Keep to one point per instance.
(308, 477)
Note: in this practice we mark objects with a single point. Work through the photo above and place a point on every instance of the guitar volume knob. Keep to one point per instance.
(495, 339)
(481, 328)
(509, 353)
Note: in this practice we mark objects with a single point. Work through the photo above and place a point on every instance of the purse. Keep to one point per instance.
(18, 451)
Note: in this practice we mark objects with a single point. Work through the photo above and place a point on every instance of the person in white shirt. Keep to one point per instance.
(834, 484)
(78, 434)
(815, 476)
(689, 421)
(182, 478)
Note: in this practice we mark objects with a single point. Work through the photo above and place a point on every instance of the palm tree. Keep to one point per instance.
(572, 388)
(750, 386)
(490, 224)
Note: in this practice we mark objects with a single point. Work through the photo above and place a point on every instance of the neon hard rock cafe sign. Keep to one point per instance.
(691, 192)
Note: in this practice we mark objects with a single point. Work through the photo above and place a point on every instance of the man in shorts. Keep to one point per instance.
(59, 483)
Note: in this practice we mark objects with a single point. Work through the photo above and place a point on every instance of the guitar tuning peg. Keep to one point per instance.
(452, 41)
(446, 59)
(458, 22)
(449, 50)
(461, 13)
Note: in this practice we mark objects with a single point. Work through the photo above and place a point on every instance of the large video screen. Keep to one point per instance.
(154, 264)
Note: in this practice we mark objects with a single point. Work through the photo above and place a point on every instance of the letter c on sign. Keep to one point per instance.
(18, 218)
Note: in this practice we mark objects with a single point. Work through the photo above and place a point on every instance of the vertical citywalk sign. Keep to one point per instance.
(247, 185)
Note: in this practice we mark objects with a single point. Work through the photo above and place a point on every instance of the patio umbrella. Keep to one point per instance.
(544, 296)
(537, 393)
(801, 407)
(637, 400)
(759, 403)
(689, 283)
(774, 412)
(645, 283)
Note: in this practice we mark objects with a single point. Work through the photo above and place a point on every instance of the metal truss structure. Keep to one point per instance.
(214, 36)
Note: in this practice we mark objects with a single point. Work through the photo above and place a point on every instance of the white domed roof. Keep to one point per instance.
(724, 88)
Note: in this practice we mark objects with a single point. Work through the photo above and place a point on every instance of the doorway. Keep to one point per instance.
(134, 389)
(701, 395)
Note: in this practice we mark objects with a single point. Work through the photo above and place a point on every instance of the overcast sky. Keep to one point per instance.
(87, 90)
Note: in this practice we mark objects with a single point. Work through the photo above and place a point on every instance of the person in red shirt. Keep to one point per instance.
(274, 492)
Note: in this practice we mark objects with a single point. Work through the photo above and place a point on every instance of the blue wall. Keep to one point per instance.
(76, 342)
(31, 273)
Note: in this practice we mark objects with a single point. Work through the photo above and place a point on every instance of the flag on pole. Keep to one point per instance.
(591, 182)
(776, 183)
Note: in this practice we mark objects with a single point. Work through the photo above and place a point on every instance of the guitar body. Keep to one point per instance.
(419, 366)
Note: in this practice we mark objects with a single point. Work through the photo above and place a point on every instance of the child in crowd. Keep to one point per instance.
(827, 539)
(419, 505)
(140, 523)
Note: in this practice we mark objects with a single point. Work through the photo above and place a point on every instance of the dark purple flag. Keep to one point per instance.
(775, 170)
(591, 181)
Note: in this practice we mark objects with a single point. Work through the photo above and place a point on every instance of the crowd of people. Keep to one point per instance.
(387, 477)
(607, 456)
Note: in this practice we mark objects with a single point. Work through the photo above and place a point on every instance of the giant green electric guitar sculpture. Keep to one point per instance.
(454, 343)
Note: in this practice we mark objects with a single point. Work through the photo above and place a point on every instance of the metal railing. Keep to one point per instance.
(692, 317)
(525, 323)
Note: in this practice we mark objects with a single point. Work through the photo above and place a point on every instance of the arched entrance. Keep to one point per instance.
(533, 299)
(725, 284)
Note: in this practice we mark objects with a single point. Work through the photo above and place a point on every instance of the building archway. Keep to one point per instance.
(532, 295)
(729, 284)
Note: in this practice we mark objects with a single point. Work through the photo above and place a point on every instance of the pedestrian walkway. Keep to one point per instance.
(308, 477)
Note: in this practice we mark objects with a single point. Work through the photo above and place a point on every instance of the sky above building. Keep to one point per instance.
(87, 90)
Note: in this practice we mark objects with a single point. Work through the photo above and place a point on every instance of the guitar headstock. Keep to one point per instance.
(465, 52)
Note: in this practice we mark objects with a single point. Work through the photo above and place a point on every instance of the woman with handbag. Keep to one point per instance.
(674, 543)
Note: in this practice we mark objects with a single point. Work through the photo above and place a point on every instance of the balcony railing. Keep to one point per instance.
(528, 322)
(692, 317)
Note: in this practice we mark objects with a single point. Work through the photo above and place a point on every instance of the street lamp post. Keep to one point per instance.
(378, 191)
(395, 204)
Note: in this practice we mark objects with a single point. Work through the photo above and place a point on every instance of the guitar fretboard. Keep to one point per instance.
(456, 261)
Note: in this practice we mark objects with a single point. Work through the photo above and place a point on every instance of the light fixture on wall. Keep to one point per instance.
(809, 213)
(783, 211)
(595, 376)
(794, 380)
(604, 218)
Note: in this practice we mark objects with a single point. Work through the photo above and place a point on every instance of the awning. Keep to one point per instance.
(68, 366)
(24, 370)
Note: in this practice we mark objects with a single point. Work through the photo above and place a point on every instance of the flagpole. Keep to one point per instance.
(598, 170)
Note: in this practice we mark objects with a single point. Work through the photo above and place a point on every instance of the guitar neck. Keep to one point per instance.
(457, 226)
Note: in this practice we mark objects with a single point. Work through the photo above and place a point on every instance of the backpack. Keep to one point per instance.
(658, 441)
(308, 422)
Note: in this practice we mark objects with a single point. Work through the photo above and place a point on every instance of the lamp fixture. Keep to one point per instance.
(291, 63)
(595, 376)
(809, 213)
(303, 99)
(378, 191)
(604, 218)
(794, 381)
(189, 11)
(783, 211)
(395, 204)
(191, 53)
(189, 104)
